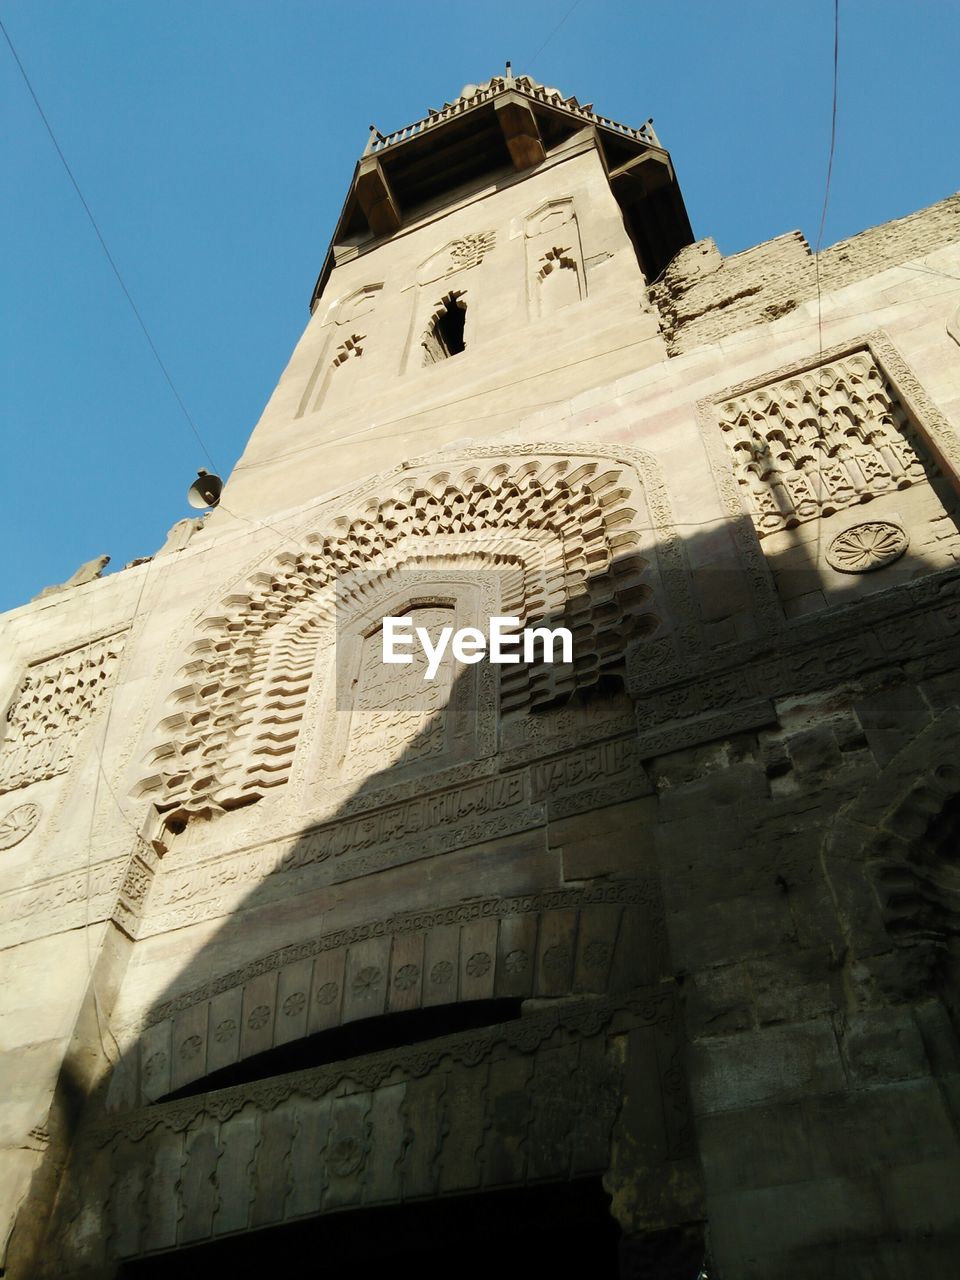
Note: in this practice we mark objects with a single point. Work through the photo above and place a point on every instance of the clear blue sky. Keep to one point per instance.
(214, 141)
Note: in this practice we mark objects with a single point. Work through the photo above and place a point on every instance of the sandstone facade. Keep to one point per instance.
(652, 954)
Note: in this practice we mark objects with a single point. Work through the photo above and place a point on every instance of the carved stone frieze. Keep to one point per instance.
(617, 894)
(652, 1006)
(61, 902)
(534, 1099)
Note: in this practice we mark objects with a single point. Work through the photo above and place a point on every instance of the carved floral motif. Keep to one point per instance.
(17, 824)
(866, 547)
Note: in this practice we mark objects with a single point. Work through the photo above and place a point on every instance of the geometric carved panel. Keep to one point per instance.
(828, 438)
(55, 701)
(812, 445)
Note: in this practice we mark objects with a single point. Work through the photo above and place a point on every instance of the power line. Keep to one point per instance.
(821, 412)
(554, 32)
(103, 245)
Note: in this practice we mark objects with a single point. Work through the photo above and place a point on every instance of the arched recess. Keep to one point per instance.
(570, 532)
(342, 345)
(555, 268)
(593, 942)
(893, 864)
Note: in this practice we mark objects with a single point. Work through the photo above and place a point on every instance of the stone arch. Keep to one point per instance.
(559, 279)
(893, 865)
(338, 348)
(234, 718)
(555, 268)
(560, 944)
(444, 334)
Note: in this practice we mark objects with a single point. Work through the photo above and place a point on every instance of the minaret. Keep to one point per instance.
(443, 308)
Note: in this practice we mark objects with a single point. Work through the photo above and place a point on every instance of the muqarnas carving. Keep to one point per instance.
(820, 441)
(561, 530)
(55, 701)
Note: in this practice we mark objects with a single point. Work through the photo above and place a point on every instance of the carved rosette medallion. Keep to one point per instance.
(18, 824)
(866, 547)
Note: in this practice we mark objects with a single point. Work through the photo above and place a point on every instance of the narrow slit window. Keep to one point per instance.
(444, 334)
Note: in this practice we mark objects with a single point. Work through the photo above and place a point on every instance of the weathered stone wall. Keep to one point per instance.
(704, 297)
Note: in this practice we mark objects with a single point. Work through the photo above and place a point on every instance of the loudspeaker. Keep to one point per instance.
(205, 490)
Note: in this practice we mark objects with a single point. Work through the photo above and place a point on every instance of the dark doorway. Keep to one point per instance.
(558, 1230)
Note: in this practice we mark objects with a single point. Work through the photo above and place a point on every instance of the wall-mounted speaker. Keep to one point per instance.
(205, 490)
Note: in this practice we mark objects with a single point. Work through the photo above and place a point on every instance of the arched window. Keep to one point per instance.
(444, 334)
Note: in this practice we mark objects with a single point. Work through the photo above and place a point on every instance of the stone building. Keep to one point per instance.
(629, 964)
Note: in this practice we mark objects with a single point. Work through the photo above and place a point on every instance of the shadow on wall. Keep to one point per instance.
(455, 991)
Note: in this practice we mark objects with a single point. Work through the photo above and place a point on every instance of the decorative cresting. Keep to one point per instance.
(473, 95)
(820, 441)
(55, 701)
(234, 721)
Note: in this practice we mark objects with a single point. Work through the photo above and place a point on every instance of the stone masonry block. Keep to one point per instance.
(815, 751)
(881, 1045)
(876, 1129)
(755, 1147)
(705, 934)
(768, 1225)
(736, 790)
(775, 1064)
(611, 841)
(890, 719)
(923, 1197)
(718, 1001)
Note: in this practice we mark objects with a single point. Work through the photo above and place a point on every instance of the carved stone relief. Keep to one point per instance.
(237, 711)
(56, 699)
(349, 349)
(459, 255)
(827, 438)
(865, 547)
(337, 350)
(532, 1099)
(552, 944)
(811, 444)
(559, 279)
(16, 824)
